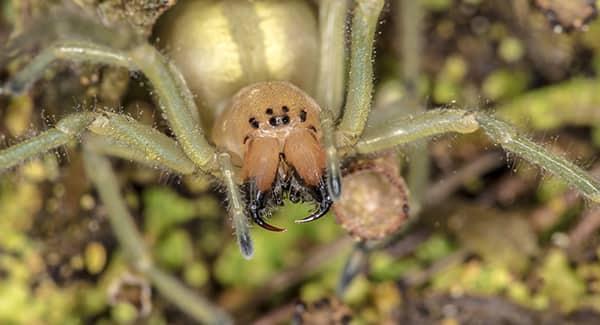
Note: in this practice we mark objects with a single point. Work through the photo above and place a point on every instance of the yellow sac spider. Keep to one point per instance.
(238, 96)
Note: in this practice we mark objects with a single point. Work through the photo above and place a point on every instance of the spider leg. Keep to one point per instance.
(438, 121)
(256, 204)
(110, 134)
(321, 196)
(100, 172)
(330, 83)
(173, 95)
(330, 87)
(333, 177)
(236, 207)
(137, 142)
(360, 83)
(411, 37)
(66, 130)
(360, 79)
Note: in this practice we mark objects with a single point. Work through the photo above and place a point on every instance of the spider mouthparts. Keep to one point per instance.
(325, 203)
(323, 209)
(261, 222)
(256, 205)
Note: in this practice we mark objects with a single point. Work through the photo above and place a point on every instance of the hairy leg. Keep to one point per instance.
(360, 81)
(173, 95)
(440, 121)
(100, 172)
(66, 130)
(330, 83)
(117, 135)
(236, 207)
(332, 63)
(411, 36)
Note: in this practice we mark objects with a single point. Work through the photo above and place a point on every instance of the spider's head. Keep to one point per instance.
(274, 129)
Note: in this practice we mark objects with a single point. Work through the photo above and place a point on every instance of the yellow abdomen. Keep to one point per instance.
(222, 46)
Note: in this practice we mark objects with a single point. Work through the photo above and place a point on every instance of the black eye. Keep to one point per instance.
(269, 111)
(285, 109)
(273, 121)
(254, 122)
(302, 115)
(285, 119)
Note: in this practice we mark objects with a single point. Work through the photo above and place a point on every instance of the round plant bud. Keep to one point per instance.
(374, 201)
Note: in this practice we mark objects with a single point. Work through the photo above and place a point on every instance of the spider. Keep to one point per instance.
(258, 131)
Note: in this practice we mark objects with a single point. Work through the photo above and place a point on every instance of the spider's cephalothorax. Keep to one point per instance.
(273, 129)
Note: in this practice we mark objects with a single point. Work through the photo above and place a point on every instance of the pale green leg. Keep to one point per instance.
(332, 63)
(125, 138)
(236, 207)
(360, 82)
(100, 172)
(174, 97)
(132, 140)
(334, 174)
(330, 83)
(66, 130)
(121, 137)
(145, 145)
(417, 176)
(439, 121)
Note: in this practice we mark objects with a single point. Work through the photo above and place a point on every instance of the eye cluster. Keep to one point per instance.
(278, 119)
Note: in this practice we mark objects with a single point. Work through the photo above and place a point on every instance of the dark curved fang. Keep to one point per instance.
(323, 209)
(261, 222)
(321, 195)
(257, 204)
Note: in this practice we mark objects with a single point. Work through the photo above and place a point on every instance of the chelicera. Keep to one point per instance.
(274, 129)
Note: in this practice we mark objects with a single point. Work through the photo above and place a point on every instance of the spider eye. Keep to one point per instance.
(285, 109)
(273, 121)
(255, 124)
(302, 115)
(269, 111)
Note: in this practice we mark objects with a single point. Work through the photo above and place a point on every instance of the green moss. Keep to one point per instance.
(275, 251)
(504, 83)
(383, 267)
(195, 274)
(165, 209)
(511, 49)
(123, 313)
(436, 5)
(436, 247)
(175, 249)
(572, 102)
(560, 283)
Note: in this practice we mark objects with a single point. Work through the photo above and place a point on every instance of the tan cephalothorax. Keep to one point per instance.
(273, 129)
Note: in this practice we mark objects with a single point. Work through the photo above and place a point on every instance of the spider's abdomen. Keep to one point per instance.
(223, 46)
